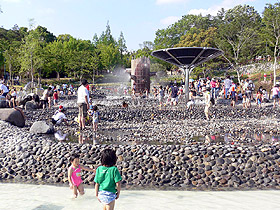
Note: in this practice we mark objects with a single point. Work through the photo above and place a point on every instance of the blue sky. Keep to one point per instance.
(137, 19)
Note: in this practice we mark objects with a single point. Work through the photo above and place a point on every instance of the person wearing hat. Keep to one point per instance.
(83, 103)
(59, 116)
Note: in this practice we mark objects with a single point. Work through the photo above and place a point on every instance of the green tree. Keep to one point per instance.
(88, 59)
(55, 53)
(122, 48)
(64, 37)
(11, 55)
(31, 54)
(145, 49)
(106, 37)
(45, 34)
(198, 38)
(157, 67)
(109, 56)
(82, 58)
(169, 37)
(238, 27)
(95, 40)
(9, 43)
(271, 30)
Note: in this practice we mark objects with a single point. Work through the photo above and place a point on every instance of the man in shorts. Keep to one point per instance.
(44, 98)
(83, 103)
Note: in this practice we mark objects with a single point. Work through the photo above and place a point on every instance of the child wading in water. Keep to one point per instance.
(107, 180)
(259, 99)
(74, 175)
(160, 95)
(95, 117)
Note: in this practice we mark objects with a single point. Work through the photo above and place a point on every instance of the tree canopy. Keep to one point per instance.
(241, 32)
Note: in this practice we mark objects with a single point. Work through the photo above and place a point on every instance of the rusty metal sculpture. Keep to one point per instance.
(140, 74)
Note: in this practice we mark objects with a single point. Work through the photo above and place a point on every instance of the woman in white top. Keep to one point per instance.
(207, 98)
(275, 92)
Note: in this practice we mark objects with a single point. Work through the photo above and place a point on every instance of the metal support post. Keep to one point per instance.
(187, 84)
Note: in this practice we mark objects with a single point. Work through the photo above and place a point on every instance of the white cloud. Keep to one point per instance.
(170, 1)
(226, 4)
(169, 20)
(212, 11)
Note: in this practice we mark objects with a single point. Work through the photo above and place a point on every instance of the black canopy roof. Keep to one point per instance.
(187, 56)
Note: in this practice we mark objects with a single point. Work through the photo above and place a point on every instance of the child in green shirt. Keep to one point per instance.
(107, 179)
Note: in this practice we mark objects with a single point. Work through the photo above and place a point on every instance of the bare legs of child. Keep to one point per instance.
(206, 111)
(95, 127)
(80, 188)
(109, 206)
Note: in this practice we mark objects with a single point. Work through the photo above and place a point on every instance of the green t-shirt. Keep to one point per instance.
(107, 177)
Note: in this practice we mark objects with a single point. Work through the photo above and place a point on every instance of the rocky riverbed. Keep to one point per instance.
(157, 148)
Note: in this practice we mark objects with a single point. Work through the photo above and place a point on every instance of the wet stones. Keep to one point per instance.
(141, 136)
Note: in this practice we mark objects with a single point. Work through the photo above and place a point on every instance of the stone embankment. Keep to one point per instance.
(176, 161)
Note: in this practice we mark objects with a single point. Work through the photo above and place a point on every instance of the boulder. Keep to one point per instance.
(30, 105)
(13, 116)
(3, 102)
(42, 127)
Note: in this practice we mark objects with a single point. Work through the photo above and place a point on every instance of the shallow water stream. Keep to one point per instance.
(115, 136)
(42, 197)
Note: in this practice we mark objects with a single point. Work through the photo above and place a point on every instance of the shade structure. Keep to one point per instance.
(187, 58)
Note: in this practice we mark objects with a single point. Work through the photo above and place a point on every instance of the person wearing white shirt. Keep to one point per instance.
(207, 97)
(4, 89)
(275, 94)
(59, 116)
(246, 84)
(83, 103)
(227, 84)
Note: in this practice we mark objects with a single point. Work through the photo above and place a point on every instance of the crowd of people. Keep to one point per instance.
(211, 89)
(214, 89)
(51, 95)
(14, 95)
